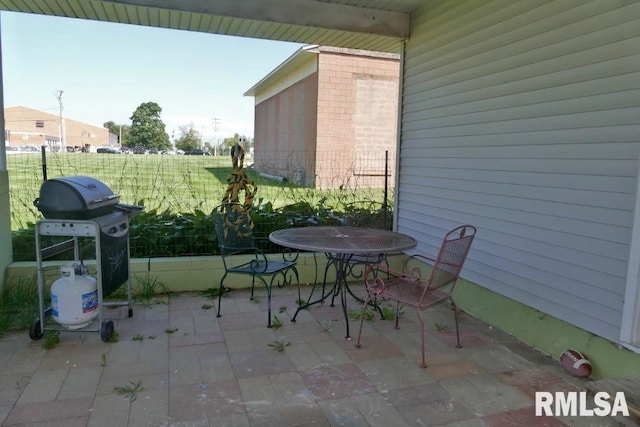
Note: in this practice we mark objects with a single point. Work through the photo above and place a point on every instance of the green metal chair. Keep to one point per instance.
(234, 231)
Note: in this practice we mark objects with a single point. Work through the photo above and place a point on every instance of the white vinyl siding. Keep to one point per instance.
(523, 119)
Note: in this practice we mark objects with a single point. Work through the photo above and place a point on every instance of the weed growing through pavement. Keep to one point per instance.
(325, 325)
(283, 309)
(147, 287)
(388, 314)
(357, 314)
(114, 338)
(51, 339)
(213, 293)
(278, 345)
(440, 326)
(130, 391)
(276, 323)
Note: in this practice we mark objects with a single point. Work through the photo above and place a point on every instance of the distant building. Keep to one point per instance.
(326, 116)
(26, 127)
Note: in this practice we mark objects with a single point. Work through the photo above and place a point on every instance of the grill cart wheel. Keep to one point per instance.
(107, 330)
(35, 330)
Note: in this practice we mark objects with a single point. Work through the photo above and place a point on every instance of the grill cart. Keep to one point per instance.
(86, 210)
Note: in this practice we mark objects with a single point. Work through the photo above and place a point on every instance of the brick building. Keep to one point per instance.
(326, 116)
(29, 127)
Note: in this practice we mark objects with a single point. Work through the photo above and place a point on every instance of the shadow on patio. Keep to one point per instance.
(194, 369)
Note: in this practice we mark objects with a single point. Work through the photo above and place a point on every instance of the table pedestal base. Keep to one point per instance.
(340, 287)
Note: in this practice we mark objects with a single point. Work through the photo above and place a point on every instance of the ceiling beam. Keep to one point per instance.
(311, 13)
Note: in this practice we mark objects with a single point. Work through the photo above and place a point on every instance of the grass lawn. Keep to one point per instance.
(174, 183)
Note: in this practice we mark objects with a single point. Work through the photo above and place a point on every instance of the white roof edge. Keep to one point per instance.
(295, 58)
(302, 54)
(359, 52)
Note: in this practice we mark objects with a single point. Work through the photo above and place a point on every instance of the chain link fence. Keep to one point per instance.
(179, 192)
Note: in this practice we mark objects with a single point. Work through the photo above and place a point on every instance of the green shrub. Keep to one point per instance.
(166, 234)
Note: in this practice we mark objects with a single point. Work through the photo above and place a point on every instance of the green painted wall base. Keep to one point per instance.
(546, 333)
(180, 274)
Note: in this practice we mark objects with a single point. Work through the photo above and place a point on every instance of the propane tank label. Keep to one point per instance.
(90, 302)
(54, 305)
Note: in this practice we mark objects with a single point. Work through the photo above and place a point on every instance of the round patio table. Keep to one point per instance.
(340, 244)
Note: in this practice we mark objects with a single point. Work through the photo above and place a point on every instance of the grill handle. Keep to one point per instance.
(103, 199)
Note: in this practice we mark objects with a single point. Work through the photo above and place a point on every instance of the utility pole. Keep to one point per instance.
(63, 147)
(216, 126)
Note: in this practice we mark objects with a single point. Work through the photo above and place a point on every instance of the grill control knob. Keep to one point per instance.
(112, 230)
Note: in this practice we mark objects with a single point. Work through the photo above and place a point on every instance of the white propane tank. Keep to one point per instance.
(74, 297)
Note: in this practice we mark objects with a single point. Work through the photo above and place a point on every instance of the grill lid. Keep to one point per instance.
(75, 197)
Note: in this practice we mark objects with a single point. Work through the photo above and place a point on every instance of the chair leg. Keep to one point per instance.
(299, 300)
(397, 314)
(253, 284)
(424, 359)
(364, 309)
(455, 316)
(220, 292)
(268, 286)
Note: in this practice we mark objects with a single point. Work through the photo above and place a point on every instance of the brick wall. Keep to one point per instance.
(333, 122)
(357, 116)
(30, 127)
(285, 130)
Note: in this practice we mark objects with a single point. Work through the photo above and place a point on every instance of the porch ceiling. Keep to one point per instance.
(361, 24)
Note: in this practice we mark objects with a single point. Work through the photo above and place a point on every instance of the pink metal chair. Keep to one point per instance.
(411, 287)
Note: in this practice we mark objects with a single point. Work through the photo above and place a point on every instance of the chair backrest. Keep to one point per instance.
(453, 252)
(234, 228)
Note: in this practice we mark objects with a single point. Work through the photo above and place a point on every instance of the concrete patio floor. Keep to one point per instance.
(197, 370)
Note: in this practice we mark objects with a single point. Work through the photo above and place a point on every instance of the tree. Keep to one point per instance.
(244, 141)
(147, 129)
(189, 139)
(121, 130)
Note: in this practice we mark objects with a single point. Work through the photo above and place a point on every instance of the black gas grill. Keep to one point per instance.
(78, 199)
(75, 197)
(84, 208)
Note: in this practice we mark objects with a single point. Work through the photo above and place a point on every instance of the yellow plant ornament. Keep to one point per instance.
(238, 182)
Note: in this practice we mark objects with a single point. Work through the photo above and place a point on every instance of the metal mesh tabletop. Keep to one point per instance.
(343, 240)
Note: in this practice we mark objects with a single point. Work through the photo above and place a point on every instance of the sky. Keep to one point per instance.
(107, 70)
